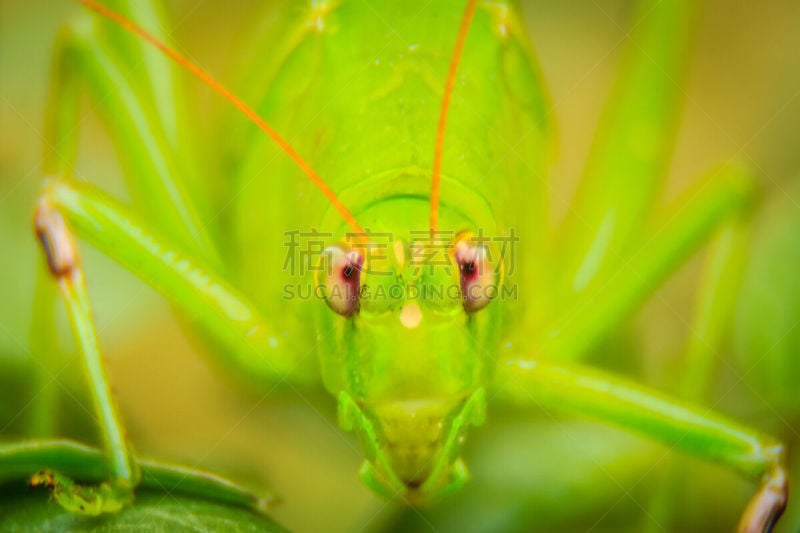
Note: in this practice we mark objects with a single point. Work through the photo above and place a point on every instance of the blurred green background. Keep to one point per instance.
(742, 98)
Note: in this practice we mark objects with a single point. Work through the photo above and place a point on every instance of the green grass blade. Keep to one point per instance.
(719, 289)
(162, 87)
(633, 145)
(675, 236)
(154, 173)
(44, 348)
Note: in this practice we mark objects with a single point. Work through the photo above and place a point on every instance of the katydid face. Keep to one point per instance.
(410, 333)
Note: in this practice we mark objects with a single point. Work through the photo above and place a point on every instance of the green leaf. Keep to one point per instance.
(168, 497)
(152, 511)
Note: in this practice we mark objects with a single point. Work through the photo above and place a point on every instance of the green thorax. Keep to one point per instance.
(356, 88)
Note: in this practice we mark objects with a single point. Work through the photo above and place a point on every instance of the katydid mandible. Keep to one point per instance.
(441, 144)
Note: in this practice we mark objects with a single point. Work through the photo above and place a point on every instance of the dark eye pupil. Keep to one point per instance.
(468, 268)
(348, 271)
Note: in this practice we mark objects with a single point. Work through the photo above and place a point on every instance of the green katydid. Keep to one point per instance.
(406, 150)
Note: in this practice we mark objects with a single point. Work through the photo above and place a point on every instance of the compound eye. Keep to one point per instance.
(341, 273)
(478, 276)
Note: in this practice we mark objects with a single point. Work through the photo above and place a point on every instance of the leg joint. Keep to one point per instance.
(56, 239)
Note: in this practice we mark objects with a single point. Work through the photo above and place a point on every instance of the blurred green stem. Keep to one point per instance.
(43, 351)
(713, 313)
(723, 195)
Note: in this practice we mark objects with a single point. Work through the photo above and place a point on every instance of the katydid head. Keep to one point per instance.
(409, 342)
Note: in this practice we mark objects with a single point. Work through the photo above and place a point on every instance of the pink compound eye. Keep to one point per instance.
(477, 273)
(342, 279)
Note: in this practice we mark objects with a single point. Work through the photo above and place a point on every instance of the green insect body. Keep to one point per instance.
(374, 139)
(410, 366)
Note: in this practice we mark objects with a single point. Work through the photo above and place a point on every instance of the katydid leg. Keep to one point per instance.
(587, 392)
(248, 342)
(65, 268)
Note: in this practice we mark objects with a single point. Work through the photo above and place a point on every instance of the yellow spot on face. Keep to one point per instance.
(410, 315)
(503, 23)
(399, 253)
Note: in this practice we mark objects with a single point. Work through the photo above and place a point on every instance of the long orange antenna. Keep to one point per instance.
(246, 110)
(448, 91)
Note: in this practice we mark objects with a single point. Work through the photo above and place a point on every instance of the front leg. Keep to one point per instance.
(249, 343)
(588, 392)
(262, 351)
(64, 265)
